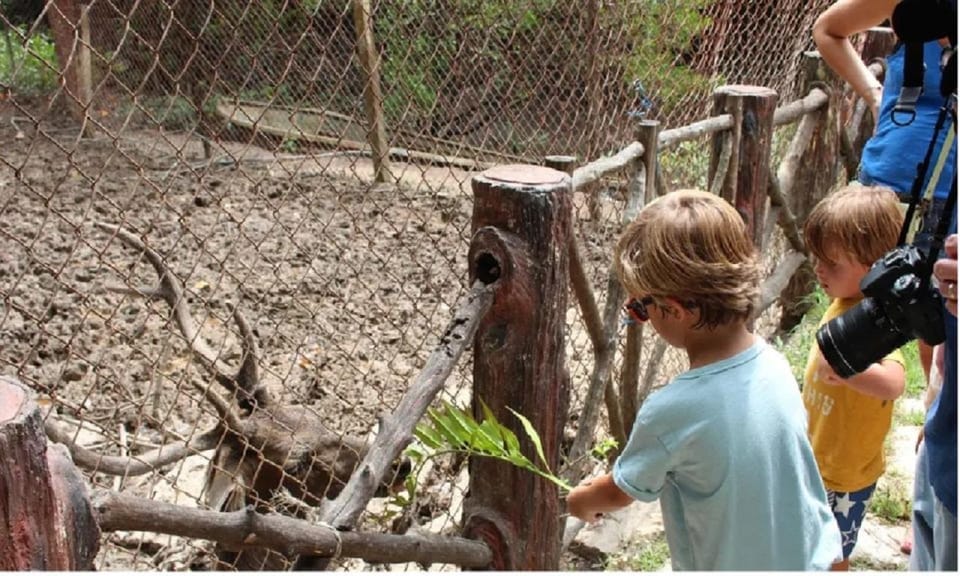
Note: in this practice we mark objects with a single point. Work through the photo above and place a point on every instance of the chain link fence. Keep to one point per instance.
(233, 139)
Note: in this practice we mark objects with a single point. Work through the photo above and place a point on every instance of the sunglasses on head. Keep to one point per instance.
(637, 309)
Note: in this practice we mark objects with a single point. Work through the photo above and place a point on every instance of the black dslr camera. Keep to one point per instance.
(900, 304)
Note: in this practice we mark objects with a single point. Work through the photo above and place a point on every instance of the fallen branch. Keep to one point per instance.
(244, 528)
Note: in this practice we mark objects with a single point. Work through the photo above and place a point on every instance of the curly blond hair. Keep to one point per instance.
(861, 221)
(694, 247)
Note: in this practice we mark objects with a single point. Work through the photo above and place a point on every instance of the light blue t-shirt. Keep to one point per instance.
(725, 448)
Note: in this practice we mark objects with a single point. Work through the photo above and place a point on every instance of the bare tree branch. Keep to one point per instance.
(136, 465)
(246, 528)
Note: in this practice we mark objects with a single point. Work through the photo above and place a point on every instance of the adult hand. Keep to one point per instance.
(945, 271)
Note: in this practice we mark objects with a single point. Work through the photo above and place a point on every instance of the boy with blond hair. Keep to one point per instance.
(724, 445)
(849, 419)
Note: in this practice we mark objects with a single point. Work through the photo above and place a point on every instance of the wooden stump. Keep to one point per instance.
(46, 522)
(521, 224)
(744, 166)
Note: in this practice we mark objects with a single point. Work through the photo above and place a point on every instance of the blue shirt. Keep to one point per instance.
(891, 155)
(940, 430)
(725, 448)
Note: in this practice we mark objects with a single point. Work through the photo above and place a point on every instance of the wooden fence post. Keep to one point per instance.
(740, 158)
(521, 234)
(46, 522)
(814, 178)
(372, 92)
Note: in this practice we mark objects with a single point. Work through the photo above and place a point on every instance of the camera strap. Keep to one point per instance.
(917, 185)
(905, 110)
(946, 216)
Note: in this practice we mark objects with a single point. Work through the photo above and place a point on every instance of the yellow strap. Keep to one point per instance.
(941, 160)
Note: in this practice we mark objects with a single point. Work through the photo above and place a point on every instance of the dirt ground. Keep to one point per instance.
(347, 287)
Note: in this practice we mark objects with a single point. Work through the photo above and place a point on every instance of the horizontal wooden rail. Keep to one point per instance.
(786, 114)
(793, 111)
(599, 168)
(670, 138)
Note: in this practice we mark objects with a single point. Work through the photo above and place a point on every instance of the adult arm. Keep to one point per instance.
(832, 32)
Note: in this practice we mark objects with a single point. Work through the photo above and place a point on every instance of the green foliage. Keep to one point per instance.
(796, 347)
(664, 30)
(916, 380)
(453, 429)
(646, 556)
(33, 66)
(891, 499)
(170, 112)
(602, 449)
(686, 165)
(424, 37)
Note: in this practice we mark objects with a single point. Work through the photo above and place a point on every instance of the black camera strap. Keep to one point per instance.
(917, 186)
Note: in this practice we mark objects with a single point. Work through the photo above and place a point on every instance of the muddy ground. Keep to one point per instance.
(347, 287)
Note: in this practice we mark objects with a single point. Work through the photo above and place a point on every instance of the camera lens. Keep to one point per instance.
(854, 340)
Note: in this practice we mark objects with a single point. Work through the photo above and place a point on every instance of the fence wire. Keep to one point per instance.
(231, 138)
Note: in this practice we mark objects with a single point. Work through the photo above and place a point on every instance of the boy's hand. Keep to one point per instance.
(825, 373)
(581, 503)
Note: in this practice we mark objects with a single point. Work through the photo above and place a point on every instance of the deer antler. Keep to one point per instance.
(245, 382)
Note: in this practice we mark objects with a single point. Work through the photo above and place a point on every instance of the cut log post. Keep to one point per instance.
(745, 182)
(815, 176)
(521, 234)
(46, 522)
(372, 91)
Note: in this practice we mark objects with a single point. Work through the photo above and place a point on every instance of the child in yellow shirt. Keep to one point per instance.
(849, 418)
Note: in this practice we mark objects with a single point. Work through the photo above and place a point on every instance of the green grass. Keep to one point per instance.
(891, 500)
(645, 556)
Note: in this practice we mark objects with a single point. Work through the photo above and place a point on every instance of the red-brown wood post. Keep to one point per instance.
(814, 179)
(744, 165)
(521, 232)
(46, 522)
(64, 19)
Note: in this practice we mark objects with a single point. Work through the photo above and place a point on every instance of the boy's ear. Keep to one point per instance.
(686, 314)
(673, 308)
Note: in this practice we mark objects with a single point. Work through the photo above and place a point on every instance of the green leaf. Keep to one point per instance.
(428, 436)
(533, 435)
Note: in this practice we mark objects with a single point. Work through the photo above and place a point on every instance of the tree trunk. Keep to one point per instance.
(521, 224)
(46, 522)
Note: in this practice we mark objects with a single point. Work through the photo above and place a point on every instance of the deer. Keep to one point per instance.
(268, 454)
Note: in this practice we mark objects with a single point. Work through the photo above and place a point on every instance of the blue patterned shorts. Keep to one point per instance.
(850, 508)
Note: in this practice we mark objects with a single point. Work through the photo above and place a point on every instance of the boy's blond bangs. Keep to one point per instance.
(861, 221)
(692, 246)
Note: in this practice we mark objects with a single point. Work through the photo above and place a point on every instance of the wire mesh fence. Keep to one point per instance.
(235, 139)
